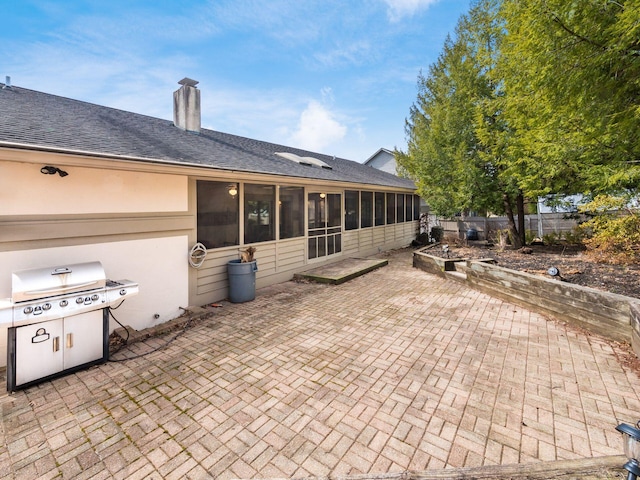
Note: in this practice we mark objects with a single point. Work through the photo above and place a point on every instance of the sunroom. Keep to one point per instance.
(292, 226)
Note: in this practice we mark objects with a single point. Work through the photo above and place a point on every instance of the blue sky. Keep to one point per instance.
(335, 77)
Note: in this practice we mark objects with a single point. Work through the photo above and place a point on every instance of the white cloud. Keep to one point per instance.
(318, 128)
(356, 53)
(283, 116)
(405, 8)
(260, 113)
(289, 21)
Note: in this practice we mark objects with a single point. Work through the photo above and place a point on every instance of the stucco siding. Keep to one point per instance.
(26, 191)
(137, 224)
(158, 265)
(56, 230)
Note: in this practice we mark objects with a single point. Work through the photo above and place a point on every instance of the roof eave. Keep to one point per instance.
(156, 161)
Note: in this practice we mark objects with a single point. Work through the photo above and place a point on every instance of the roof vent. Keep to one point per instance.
(7, 83)
(308, 161)
(186, 106)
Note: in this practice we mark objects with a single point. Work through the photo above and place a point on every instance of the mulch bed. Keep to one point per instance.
(571, 262)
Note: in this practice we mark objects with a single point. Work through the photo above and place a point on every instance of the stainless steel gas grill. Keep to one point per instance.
(59, 320)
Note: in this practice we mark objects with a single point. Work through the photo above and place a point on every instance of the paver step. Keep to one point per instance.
(342, 271)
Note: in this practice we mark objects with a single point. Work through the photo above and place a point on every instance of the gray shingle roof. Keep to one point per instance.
(45, 121)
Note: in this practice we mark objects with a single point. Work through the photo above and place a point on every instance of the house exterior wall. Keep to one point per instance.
(136, 224)
(140, 220)
(384, 161)
(25, 191)
(279, 260)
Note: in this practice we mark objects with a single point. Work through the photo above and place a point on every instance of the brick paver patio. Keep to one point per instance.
(393, 371)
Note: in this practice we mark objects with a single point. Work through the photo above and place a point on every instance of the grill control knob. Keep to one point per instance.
(64, 303)
(94, 297)
(28, 310)
(79, 300)
(123, 292)
(46, 306)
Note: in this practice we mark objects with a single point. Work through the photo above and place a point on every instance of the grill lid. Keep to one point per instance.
(46, 282)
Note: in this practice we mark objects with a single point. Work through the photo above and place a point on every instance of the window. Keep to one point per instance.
(366, 209)
(416, 207)
(334, 210)
(218, 214)
(351, 209)
(291, 212)
(259, 217)
(400, 208)
(408, 216)
(379, 206)
(391, 208)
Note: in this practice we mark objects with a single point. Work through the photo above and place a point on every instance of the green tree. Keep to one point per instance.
(571, 71)
(457, 138)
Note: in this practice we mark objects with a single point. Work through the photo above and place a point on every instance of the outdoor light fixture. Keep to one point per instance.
(232, 189)
(49, 170)
(553, 271)
(322, 195)
(631, 438)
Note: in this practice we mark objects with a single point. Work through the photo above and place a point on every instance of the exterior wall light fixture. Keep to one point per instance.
(631, 438)
(49, 170)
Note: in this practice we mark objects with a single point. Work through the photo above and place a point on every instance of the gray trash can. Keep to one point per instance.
(242, 280)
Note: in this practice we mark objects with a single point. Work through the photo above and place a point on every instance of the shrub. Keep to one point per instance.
(575, 237)
(613, 230)
(552, 238)
(529, 237)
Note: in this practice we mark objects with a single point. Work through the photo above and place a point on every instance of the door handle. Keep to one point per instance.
(56, 344)
(69, 340)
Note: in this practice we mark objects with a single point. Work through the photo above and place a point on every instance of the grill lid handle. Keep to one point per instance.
(61, 271)
(60, 289)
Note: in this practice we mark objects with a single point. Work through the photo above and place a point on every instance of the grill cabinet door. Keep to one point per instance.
(39, 350)
(83, 338)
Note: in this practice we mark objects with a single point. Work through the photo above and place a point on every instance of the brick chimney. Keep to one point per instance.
(186, 106)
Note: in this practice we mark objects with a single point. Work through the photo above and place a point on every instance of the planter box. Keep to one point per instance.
(616, 317)
(601, 312)
(438, 265)
(435, 265)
